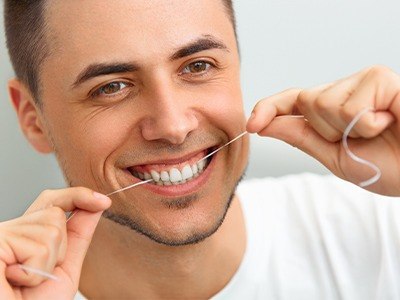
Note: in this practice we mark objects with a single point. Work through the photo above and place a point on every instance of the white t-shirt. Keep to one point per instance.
(316, 237)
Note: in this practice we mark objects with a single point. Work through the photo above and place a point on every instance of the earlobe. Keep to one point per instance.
(29, 117)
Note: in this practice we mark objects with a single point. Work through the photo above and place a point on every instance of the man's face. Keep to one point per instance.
(134, 87)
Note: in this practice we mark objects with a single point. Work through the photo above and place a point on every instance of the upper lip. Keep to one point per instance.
(173, 161)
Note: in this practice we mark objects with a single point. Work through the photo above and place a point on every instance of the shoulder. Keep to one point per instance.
(314, 199)
(304, 187)
(79, 296)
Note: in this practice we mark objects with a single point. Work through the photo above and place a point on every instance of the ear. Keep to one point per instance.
(29, 116)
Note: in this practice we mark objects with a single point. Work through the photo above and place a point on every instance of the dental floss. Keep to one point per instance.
(73, 213)
(205, 157)
(38, 272)
(129, 187)
(223, 146)
(354, 157)
(346, 133)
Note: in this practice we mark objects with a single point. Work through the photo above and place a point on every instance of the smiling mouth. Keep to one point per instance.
(175, 173)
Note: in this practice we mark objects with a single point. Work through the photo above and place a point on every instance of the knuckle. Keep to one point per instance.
(293, 90)
(42, 252)
(54, 234)
(82, 191)
(380, 71)
(303, 98)
(348, 113)
(46, 194)
(56, 215)
(261, 103)
(322, 104)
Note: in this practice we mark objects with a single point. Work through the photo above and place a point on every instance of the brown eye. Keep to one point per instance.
(197, 67)
(112, 88)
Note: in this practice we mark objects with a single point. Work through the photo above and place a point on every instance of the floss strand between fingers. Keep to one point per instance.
(356, 158)
(38, 272)
(346, 133)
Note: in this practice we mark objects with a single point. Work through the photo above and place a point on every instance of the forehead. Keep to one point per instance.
(111, 28)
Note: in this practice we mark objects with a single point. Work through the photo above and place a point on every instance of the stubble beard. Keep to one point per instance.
(177, 204)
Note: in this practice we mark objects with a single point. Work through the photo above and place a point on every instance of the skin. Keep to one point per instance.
(162, 112)
(165, 113)
(327, 111)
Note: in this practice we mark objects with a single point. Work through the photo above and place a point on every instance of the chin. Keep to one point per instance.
(187, 209)
(186, 225)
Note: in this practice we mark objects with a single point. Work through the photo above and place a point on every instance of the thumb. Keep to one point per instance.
(296, 131)
(6, 291)
(80, 230)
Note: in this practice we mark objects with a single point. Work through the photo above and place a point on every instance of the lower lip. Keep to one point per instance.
(187, 188)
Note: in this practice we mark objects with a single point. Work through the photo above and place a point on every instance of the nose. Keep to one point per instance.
(170, 118)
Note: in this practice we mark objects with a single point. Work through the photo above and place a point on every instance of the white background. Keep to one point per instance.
(298, 43)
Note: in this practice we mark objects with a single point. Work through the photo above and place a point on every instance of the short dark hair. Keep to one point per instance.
(25, 27)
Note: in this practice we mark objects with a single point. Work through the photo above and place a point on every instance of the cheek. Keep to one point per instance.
(103, 134)
(225, 108)
(92, 137)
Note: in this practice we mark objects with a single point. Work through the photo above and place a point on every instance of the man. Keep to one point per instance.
(130, 89)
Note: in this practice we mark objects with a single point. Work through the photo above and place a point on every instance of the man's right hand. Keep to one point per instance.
(43, 239)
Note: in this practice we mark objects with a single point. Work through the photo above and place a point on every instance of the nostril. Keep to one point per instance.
(172, 130)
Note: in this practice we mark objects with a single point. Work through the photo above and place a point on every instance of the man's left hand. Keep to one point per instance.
(327, 111)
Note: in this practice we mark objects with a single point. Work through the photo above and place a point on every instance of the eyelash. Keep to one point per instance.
(99, 93)
(209, 64)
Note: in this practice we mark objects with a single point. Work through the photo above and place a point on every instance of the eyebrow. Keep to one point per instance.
(99, 69)
(206, 42)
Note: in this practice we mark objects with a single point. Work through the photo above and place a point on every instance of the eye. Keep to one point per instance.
(111, 88)
(197, 67)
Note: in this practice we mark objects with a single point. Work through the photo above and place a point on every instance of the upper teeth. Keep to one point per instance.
(174, 175)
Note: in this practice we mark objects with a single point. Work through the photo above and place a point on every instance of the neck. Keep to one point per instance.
(117, 268)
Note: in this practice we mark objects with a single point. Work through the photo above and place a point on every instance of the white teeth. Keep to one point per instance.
(155, 175)
(164, 176)
(175, 175)
(195, 170)
(187, 172)
(201, 164)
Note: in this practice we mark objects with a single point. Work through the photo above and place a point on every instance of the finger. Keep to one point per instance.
(31, 254)
(6, 291)
(306, 103)
(80, 230)
(71, 198)
(46, 226)
(267, 109)
(377, 91)
(331, 100)
(53, 236)
(298, 133)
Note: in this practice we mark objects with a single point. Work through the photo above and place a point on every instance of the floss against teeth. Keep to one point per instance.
(162, 173)
(346, 133)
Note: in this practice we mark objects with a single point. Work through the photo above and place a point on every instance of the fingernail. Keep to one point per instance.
(100, 196)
